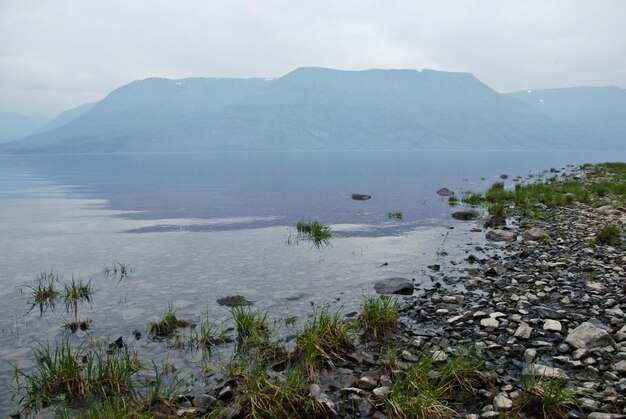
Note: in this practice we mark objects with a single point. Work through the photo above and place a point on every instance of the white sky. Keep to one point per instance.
(58, 54)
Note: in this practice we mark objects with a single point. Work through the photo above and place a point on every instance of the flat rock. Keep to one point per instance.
(398, 285)
(445, 192)
(535, 234)
(620, 367)
(588, 336)
(523, 331)
(466, 215)
(501, 235)
(552, 326)
(234, 301)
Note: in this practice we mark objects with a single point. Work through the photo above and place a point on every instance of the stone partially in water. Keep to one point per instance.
(445, 192)
(466, 215)
(394, 286)
(360, 196)
(234, 301)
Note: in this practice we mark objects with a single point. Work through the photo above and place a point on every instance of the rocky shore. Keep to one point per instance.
(542, 304)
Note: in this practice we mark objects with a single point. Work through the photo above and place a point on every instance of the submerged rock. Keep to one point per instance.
(466, 215)
(401, 286)
(445, 192)
(234, 301)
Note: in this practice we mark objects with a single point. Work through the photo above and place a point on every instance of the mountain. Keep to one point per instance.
(308, 109)
(598, 112)
(14, 126)
(66, 117)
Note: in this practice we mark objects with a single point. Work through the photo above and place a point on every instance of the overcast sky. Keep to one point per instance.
(58, 54)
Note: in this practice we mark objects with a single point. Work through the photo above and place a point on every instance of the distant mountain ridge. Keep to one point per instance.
(14, 126)
(319, 109)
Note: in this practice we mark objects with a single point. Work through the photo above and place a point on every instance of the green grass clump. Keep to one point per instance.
(453, 200)
(546, 398)
(324, 337)
(252, 326)
(472, 198)
(423, 391)
(397, 215)
(498, 194)
(206, 335)
(74, 293)
(77, 375)
(379, 314)
(319, 234)
(288, 397)
(609, 234)
(44, 293)
(418, 394)
(167, 324)
(498, 209)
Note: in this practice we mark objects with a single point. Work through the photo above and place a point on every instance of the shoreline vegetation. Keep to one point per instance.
(531, 327)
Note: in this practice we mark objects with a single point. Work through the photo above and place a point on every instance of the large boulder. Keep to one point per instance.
(589, 336)
(465, 215)
(394, 286)
(501, 235)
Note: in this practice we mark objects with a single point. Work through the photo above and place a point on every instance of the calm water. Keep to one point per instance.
(197, 227)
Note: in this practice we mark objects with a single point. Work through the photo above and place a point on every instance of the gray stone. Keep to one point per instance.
(381, 392)
(620, 367)
(501, 235)
(523, 331)
(587, 336)
(501, 402)
(225, 393)
(552, 326)
(535, 234)
(366, 383)
(401, 286)
(445, 192)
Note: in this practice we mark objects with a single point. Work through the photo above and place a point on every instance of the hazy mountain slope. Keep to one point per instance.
(14, 126)
(599, 112)
(307, 109)
(66, 117)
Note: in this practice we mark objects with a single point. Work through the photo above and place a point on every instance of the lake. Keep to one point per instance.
(198, 227)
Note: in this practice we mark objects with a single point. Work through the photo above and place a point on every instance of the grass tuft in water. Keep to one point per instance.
(44, 293)
(252, 326)
(319, 234)
(117, 270)
(75, 374)
(167, 324)
(397, 215)
(453, 200)
(74, 293)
